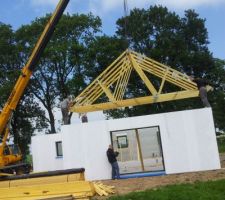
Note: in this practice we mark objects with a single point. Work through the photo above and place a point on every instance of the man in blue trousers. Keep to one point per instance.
(113, 161)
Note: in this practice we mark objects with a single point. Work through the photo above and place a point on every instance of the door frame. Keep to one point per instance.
(136, 130)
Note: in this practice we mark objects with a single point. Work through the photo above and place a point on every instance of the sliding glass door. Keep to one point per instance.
(139, 150)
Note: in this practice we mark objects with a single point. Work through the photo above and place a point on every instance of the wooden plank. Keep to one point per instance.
(143, 76)
(137, 101)
(139, 150)
(77, 189)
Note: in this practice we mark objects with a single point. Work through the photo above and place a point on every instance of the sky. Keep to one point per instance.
(18, 12)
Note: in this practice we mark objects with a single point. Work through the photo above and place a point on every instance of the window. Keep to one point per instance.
(122, 141)
(59, 152)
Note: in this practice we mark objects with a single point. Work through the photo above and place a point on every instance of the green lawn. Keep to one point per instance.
(212, 190)
(221, 144)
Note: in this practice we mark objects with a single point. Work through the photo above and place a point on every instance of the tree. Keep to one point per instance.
(180, 42)
(62, 60)
(28, 116)
(102, 51)
(217, 97)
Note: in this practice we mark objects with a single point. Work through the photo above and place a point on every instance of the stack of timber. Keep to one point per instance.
(103, 190)
(61, 184)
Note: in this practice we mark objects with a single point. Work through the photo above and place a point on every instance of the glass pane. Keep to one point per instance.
(59, 149)
(151, 149)
(125, 143)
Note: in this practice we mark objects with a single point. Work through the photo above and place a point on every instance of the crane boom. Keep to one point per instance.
(30, 66)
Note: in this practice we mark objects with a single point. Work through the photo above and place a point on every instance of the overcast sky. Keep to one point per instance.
(18, 12)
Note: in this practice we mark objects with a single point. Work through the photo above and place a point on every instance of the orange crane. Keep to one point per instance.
(10, 156)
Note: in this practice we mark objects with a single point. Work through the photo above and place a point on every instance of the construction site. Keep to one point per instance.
(176, 146)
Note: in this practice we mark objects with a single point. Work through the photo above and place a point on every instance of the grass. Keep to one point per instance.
(211, 190)
(221, 144)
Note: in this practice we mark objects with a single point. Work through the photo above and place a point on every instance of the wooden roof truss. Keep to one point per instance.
(113, 81)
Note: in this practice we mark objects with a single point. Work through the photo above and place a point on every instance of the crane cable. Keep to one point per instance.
(125, 6)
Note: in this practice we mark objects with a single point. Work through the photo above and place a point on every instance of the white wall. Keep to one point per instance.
(188, 142)
(85, 146)
(43, 150)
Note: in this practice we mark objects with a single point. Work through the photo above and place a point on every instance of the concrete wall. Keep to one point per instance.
(188, 143)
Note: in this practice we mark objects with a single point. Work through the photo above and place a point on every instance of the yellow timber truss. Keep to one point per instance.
(112, 83)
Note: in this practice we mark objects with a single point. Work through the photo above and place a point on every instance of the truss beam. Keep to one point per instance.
(143, 76)
(136, 101)
(114, 80)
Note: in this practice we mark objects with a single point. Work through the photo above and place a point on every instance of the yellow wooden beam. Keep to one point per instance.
(154, 66)
(107, 91)
(137, 101)
(119, 82)
(122, 81)
(185, 84)
(68, 186)
(77, 189)
(92, 89)
(142, 75)
(125, 82)
(139, 150)
(163, 81)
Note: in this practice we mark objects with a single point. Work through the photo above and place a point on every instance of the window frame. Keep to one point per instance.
(159, 140)
(118, 142)
(58, 155)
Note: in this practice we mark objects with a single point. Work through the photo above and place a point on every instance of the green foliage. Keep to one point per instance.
(102, 51)
(168, 38)
(28, 159)
(217, 97)
(60, 70)
(28, 116)
(199, 190)
(221, 144)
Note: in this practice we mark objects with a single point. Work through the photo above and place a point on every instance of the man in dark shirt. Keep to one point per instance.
(201, 84)
(111, 155)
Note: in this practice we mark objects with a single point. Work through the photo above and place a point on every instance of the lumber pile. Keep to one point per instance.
(103, 190)
(63, 187)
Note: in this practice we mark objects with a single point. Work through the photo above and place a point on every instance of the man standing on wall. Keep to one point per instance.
(201, 84)
(83, 117)
(113, 161)
(65, 106)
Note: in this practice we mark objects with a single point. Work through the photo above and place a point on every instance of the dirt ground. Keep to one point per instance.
(137, 184)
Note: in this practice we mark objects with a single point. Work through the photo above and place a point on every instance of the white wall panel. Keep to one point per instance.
(44, 153)
(188, 143)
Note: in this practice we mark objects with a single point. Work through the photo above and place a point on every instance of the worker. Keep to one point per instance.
(201, 84)
(113, 161)
(84, 118)
(65, 106)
